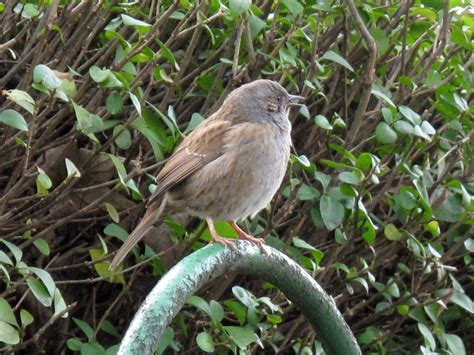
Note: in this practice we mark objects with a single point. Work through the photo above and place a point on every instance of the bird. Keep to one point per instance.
(229, 167)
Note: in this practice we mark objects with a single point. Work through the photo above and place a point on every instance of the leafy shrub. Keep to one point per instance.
(377, 205)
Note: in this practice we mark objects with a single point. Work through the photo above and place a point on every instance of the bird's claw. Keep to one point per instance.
(257, 241)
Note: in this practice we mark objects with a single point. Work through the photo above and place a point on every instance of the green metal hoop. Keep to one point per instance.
(206, 264)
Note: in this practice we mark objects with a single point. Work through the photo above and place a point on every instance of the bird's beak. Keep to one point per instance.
(293, 100)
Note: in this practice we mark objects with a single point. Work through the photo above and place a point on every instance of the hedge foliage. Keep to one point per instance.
(377, 204)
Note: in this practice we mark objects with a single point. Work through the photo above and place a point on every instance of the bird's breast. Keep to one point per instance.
(244, 179)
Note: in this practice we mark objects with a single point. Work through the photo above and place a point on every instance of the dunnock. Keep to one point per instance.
(229, 167)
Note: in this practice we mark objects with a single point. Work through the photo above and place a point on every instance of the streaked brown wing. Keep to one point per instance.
(199, 148)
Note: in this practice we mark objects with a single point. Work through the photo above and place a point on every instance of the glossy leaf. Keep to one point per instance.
(334, 57)
(13, 119)
(332, 212)
(205, 342)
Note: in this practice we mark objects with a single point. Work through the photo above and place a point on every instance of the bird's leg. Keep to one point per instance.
(216, 238)
(242, 235)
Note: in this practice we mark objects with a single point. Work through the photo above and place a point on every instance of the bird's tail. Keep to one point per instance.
(153, 215)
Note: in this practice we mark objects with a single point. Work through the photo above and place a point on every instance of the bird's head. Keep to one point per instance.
(261, 99)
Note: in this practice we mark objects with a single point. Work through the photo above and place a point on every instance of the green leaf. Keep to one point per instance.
(168, 54)
(103, 268)
(112, 212)
(21, 98)
(387, 115)
(26, 318)
(403, 309)
(74, 344)
(130, 21)
(122, 173)
(303, 160)
(306, 193)
(392, 232)
(237, 7)
(165, 341)
(256, 24)
(59, 303)
(196, 119)
(244, 296)
(420, 133)
(469, 245)
(200, 304)
(455, 344)
(324, 179)
(205, 342)
(42, 74)
(13, 119)
(343, 151)
(124, 138)
(427, 128)
(463, 301)
(45, 277)
(238, 310)
(300, 243)
(83, 118)
(380, 95)
(336, 165)
(241, 336)
(274, 318)
(39, 291)
(404, 127)
(5, 259)
(349, 177)
(381, 39)
(8, 334)
(304, 111)
(17, 252)
(332, 212)
(136, 103)
(42, 246)
(30, 10)
(109, 328)
(115, 230)
(6, 313)
(92, 349)
(268, 302)
(362, 282)
(294, 6)
(322, 122)
(385, 134)
(72, 170)
(340, 237)
(43, 182)
(334, 57)
(451, 209)
(410, 115)
(114, 103)
(369, 335)
(217, 312)
(105, 77)
(86, 328)
(433, 228)
(430, 341)
(97, 74)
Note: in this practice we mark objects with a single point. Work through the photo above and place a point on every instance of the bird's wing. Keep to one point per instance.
(203, 145)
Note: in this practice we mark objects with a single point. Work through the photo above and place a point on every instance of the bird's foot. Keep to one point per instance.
(242, 235)
(215, 238)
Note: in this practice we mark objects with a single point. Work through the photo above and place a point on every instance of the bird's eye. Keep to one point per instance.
(279, 99)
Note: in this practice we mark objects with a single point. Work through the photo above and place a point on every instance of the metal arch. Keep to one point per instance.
(206, 264)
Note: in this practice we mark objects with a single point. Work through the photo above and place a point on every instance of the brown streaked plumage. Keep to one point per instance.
(229, 167)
